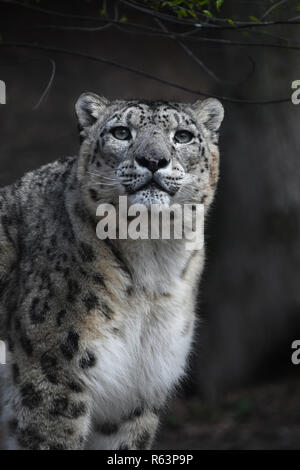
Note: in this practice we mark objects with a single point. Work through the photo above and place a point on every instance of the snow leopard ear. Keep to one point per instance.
(88, 108)
(210, 112)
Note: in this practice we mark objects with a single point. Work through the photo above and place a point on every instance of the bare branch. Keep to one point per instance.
(200, 62)
(212, 25)
(279, 38)
(272, 8)
(48, 87)
(72, 16)
(188, 52)
(187, 36)
(37, 59)
(145, 29)
(90, 29)
(139, 72)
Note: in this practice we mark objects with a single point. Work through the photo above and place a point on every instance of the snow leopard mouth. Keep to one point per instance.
(151, 186)
(154, 185)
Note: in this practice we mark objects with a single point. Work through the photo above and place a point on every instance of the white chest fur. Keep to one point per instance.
(140, 363)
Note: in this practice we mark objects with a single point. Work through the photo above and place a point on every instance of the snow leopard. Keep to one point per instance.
(98, 332)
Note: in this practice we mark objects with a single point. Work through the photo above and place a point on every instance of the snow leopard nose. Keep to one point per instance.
(153, 163)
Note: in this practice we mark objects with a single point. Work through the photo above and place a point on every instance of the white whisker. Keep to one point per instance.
(101, 176)
(107, 184)
(107, 178)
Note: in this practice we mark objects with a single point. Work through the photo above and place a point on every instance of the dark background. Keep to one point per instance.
(243, 389)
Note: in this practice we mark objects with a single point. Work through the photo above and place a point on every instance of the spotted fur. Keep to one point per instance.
(99, 331)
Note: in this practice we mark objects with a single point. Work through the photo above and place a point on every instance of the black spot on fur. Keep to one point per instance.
(98, 279)
(11, 344)
(136, 413)
(30, 438)
(70, 346)
(17, 324)
(15, 373)
(31, 398)
(75, 386)
(26, 344)
(90, 301)
(11, 307)
(143, 441)
(129, 290)
(69, 431)
(78, 409)
(80, 129)
(80, 212)
(108, 428)
(94, 195)
(49, 368)
(73, 290)
(37, 312)
(89, 360)
(61, 314)
(59, 406)
(86, 252)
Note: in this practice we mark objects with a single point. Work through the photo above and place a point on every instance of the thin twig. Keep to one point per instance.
(201, 63)
(90, 29)
(48, 87)
(279, 38)
(272, 8)
(188, 51)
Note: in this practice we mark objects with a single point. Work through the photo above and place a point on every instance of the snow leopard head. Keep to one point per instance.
(154, 152)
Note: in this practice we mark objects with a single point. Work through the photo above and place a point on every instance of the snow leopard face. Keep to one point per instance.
(153, 152)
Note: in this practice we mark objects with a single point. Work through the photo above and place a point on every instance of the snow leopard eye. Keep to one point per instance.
(121, 133)
(183, 137)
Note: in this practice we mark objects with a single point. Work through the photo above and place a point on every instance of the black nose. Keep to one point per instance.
(153, 164)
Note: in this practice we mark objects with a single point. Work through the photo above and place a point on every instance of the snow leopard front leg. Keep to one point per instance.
(136, 432)
(39, 413)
